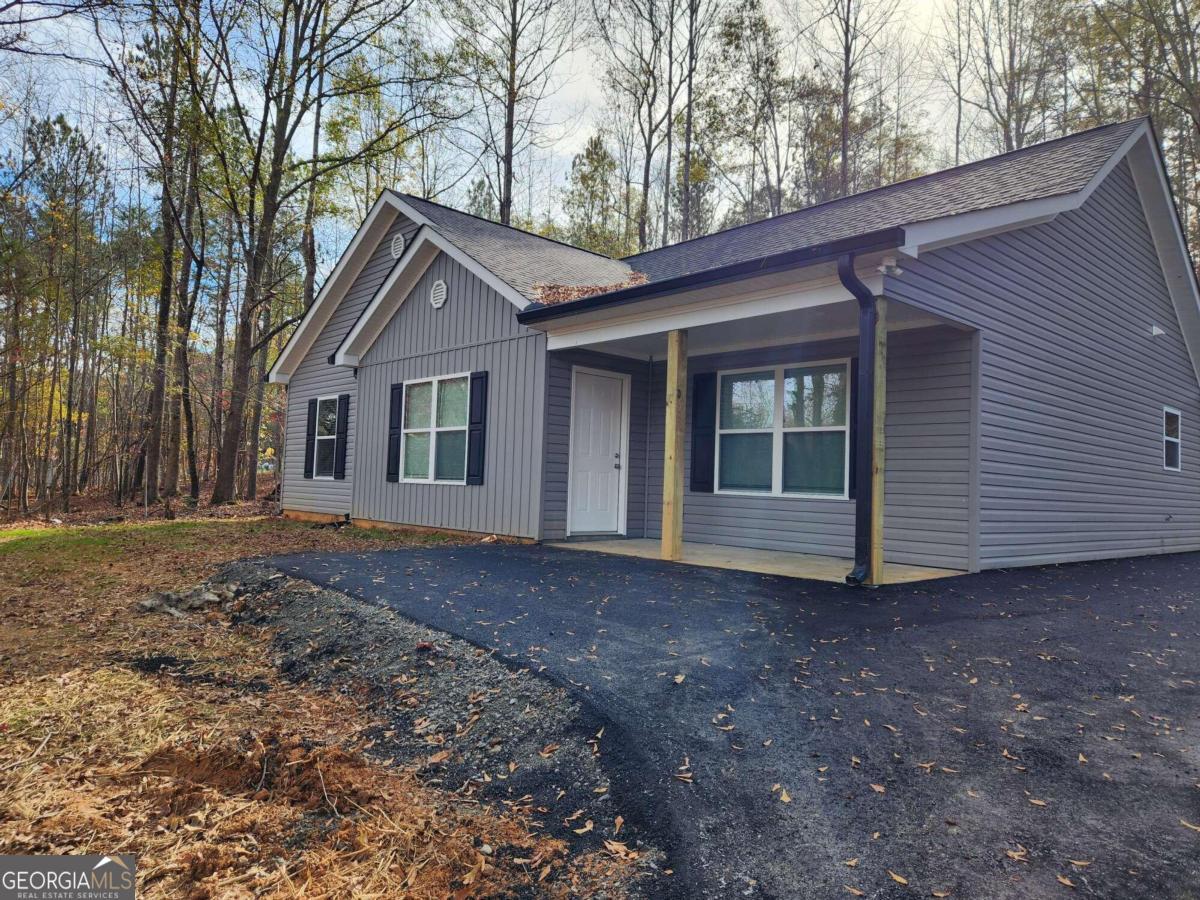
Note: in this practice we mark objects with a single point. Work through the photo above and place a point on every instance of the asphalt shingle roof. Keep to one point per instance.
(525, 261)
(1061, 166)
(519, 258)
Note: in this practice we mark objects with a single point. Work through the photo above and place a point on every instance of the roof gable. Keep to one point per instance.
(360, 249)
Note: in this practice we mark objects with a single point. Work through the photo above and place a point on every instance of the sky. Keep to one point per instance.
(576, 108)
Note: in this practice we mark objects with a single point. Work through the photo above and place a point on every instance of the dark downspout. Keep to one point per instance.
(868, 316)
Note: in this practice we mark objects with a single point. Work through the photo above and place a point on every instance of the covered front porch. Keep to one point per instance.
(779, 424)
(764, 562)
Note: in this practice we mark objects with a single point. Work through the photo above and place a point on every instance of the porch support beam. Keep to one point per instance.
(672, 506)
(868, 459)
(878, 441)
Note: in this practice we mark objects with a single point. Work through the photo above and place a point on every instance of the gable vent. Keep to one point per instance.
(397, 246)
(437, 295)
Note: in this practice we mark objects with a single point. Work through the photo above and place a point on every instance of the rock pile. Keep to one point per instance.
(219, 592)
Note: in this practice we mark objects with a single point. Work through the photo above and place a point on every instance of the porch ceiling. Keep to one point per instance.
(825, 322)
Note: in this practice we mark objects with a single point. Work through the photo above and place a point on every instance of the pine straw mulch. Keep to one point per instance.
(122, 732)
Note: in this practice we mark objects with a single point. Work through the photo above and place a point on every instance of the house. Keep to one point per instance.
(994, 365)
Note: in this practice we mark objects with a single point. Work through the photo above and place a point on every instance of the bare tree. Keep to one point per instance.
(18, 18)
(508, 53)
(699, 20)
(954, 56)
(1014, 67)
(858, 28)
(634, 37)
(274, 64)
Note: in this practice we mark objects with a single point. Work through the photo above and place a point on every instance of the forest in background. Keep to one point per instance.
(162, 233)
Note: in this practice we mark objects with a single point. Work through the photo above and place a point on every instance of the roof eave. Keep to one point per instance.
(873, 241)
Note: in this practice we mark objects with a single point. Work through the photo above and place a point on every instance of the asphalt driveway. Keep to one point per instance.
(1020, 733)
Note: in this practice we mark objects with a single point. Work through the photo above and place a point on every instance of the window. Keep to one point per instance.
(325, 444)
(784, 430)
(435, 429)
(1172, 439)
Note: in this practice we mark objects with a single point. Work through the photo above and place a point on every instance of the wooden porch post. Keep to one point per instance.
(878, 443)
(672, 507)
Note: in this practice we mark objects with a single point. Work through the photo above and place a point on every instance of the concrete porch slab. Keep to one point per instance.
(765, 562)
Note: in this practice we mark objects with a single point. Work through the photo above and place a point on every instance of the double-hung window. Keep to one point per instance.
(785, 430)
(325, 440)
(1172, 439)
(435, 429)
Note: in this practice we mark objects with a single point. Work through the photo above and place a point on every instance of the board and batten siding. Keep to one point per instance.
(1072, 383)
(927, 507)
(315, 377)
(555, 471)
(476, 330)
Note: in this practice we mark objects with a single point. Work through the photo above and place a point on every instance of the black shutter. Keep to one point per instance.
(310, 438)
(852, 475)
(704, 431)
(339, 445)
(477, 427)
(395, 423)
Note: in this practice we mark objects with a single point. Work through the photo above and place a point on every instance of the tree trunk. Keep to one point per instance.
(510, 117)
(218, 399)
(847, 82)
(256, 421)
(152, 446)
(685, 201)
(183, 323)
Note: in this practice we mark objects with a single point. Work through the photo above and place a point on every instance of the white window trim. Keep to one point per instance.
(1170, 410)
(318, 437)
(433, 429)
(777, 431)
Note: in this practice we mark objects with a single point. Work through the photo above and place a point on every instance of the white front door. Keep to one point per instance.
(597, 472)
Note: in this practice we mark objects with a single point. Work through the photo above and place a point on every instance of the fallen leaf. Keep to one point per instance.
(548, 751)
(1036, 802)
(1063, 879)
(1081, 863)
(899, 879)
(855, 891)
(679, 678)
(784, 796)
(1186, 824)
(440, 757)
(851, 862)
(618, 849)
(617, 823)
(945, 893)
(879, 788)
(1082, 759)
(587, 826)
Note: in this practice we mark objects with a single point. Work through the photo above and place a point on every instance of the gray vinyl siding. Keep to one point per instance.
(558, 435)
(927, 511)
(1072, 383)
(475, 331)
(315, 377)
